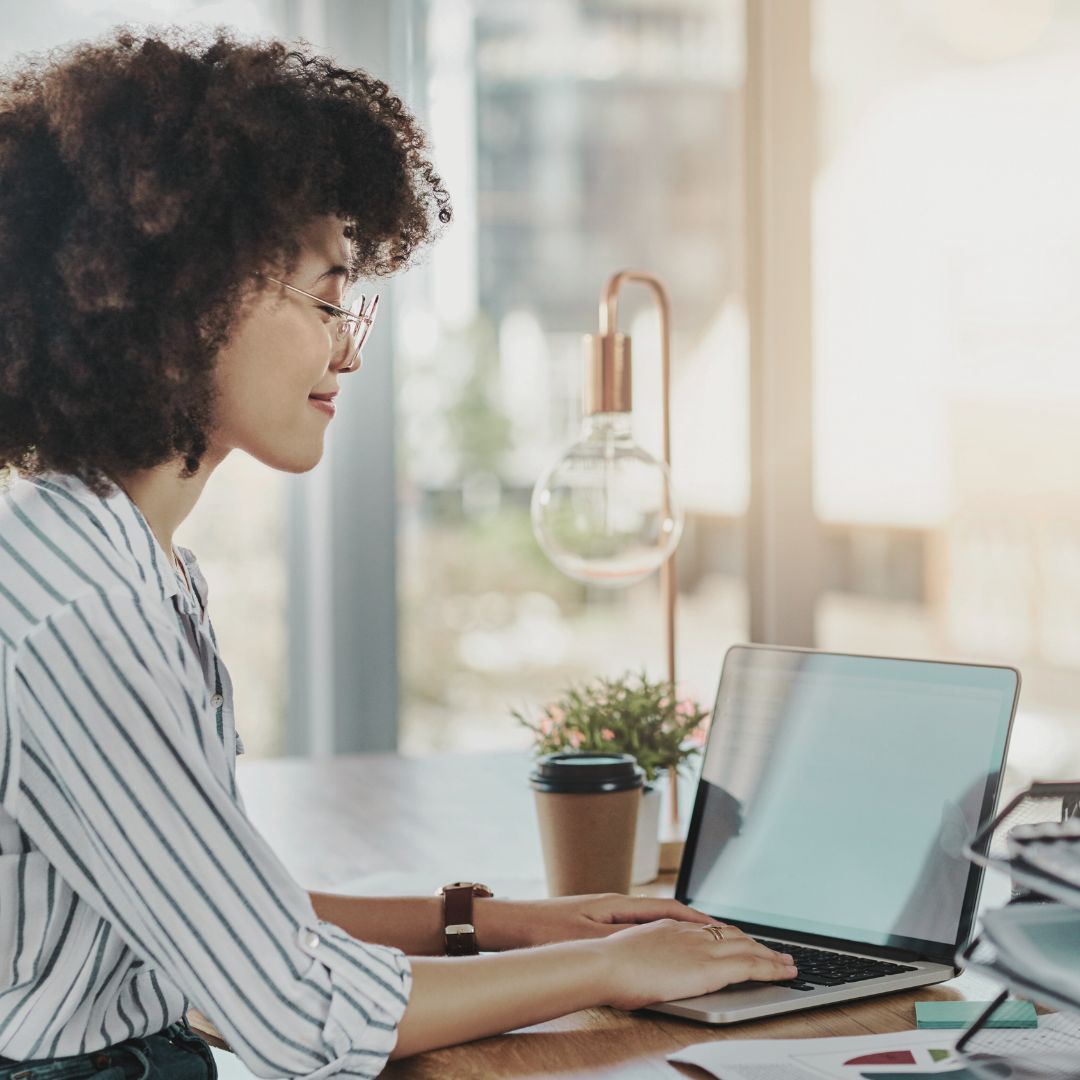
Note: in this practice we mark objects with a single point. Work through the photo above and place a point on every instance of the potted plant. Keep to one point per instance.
(626, 715)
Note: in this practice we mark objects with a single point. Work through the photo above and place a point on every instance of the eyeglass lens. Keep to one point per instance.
(352, 333)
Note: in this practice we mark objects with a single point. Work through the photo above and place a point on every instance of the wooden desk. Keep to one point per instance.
(462, 817)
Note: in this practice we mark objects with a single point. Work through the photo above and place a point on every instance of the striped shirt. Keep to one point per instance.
(132, 883)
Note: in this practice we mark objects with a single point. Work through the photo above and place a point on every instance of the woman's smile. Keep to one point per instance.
(324, 402)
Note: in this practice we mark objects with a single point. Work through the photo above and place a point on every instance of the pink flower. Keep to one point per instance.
(556, 714)
(546, 724)
(663, 703)
(607, 733)
(686, 707)
(575, 738)
(698, 735)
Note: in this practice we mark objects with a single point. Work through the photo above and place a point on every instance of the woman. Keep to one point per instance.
(182, 224)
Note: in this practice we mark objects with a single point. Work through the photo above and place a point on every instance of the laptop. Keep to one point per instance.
(836, 796)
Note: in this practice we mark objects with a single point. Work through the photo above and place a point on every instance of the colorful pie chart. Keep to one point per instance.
(885, 1057)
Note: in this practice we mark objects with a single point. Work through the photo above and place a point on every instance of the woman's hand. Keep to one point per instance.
(517, 924)
(456, 999)
(670, 959)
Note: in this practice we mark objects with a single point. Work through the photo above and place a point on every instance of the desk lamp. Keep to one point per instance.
(604, 512)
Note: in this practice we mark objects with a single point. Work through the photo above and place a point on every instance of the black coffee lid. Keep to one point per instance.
(585, 772)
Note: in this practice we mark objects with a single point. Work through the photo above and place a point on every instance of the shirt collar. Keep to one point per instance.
(126, 526)
(195, 575)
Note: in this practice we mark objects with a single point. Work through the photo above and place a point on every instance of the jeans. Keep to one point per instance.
(176, 1053)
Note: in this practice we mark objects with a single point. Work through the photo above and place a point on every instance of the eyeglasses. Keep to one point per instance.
(354, 323)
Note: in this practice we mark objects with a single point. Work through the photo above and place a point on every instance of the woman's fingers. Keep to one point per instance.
(728, 930)
(731, 933)
(671, 959)
(671, 909)
(748, 959)
(744, 946)
(744, 958)
(759, 969)
(643, 909)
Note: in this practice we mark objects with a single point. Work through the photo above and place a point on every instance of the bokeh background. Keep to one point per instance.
(581, 136)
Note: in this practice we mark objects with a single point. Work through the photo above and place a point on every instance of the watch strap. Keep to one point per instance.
(458, 927)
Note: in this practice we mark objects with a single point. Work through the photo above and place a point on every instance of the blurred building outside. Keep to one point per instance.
(581, 136)
(577, 139)
(944, 338)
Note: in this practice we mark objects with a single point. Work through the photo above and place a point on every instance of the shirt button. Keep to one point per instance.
(217, 700)
(312, 940)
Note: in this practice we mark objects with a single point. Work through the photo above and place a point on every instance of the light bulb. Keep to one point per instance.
(604, 513)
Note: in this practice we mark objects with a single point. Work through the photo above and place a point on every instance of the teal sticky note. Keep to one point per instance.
(961, 1014)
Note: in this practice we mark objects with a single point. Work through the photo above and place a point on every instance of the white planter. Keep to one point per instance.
(647, 842)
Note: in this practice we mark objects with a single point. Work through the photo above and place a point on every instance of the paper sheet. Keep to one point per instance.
(899, 1056)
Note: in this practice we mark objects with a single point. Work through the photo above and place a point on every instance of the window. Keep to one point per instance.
(576, 139)
(947, 387)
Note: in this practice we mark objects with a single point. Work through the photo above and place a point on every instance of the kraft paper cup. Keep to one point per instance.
(587, 806)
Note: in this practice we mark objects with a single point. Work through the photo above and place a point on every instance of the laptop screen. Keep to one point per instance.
(837, 793)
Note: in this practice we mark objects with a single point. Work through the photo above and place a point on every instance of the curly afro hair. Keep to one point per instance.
(143, 178)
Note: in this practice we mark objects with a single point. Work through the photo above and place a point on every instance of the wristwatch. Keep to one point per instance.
(460, 933)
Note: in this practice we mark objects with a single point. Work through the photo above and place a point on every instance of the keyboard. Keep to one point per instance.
(819, 968)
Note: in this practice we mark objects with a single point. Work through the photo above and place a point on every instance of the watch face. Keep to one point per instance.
(477, 888)
(460, 928)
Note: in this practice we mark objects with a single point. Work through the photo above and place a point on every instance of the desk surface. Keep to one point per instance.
(470, 817)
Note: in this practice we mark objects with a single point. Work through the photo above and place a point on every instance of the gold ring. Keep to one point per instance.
(716, 931)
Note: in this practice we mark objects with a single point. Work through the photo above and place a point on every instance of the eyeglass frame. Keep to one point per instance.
(365, 315)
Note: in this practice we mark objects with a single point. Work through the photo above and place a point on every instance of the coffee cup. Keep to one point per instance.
(587, 807)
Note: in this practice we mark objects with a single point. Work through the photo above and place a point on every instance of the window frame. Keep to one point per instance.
(343, 613)
(342, 517)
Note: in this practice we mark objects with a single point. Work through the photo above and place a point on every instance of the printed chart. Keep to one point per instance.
(883, 1063)
(1050, 1052)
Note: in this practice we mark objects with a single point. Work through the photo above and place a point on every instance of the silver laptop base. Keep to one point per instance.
(748, 1001)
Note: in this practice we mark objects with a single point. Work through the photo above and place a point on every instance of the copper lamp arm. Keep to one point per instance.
(609, 314)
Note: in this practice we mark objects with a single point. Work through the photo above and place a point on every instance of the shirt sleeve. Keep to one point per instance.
(117, 791)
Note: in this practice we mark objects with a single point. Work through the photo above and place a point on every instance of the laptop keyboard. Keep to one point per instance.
(819, 968)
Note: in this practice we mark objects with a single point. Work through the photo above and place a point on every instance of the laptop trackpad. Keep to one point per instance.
(741, 994)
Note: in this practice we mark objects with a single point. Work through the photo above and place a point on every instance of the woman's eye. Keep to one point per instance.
(331, 311)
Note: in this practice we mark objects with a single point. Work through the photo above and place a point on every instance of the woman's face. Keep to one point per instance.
(277, 363)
